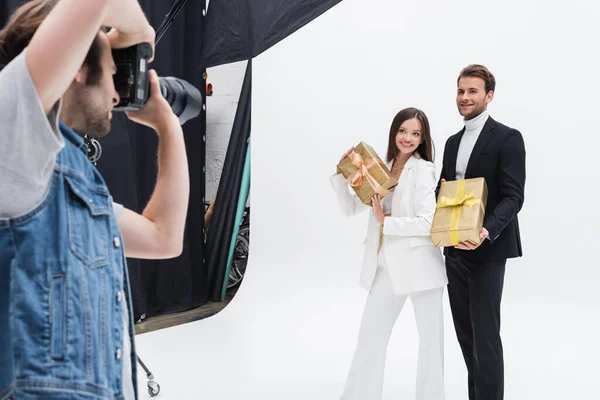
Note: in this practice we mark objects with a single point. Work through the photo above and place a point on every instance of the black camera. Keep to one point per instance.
(133, 84)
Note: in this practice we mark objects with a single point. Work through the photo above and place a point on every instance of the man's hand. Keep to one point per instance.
(120, 40)
(471, 246)
(377, 209)
(157, 112)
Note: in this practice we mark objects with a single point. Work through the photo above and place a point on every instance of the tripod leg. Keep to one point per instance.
(148, 373)
(153, 387)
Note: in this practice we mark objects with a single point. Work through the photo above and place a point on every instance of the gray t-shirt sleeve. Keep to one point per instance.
(29, 141)
(117, 209)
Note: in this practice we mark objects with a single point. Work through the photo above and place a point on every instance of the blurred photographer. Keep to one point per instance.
(65, 312)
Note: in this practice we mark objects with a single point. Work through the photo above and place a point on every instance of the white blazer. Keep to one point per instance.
(414, 263)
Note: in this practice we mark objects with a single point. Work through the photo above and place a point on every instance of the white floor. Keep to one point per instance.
(290, 332)
(293, 340)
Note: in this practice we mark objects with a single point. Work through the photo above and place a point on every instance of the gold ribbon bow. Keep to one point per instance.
(467, 200)
(355, 180)
(460, 200)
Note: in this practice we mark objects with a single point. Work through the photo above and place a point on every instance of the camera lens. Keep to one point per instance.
(185, 100)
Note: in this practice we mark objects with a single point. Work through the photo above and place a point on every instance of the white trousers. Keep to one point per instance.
(383, 306)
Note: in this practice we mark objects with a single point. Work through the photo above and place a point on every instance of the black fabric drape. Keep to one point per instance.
(235, 30)
(128, 165)
(219, 233)
(238, 30)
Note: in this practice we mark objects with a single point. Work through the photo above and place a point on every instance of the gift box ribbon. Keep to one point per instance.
(355, 180)
(460, 200)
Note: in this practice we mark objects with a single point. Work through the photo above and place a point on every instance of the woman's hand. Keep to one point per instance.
(337, 171)
(377, 209)
(346, 153)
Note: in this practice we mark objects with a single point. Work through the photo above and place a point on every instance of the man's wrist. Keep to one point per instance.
(489, 236)
(167, 124)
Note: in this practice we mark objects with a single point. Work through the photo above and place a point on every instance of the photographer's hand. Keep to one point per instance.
(129, 25)
(119, 39)
(157, 113)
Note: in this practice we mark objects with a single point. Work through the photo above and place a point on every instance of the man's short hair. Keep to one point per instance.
(479, 71)
(22, 25)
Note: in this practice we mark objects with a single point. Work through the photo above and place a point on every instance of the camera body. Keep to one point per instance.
(133, 84)
(131, 80)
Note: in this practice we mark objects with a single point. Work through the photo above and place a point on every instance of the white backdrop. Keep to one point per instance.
(291, 330)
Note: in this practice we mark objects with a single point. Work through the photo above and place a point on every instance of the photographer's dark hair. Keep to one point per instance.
(22, 25)
(426, 148)
(479, 71)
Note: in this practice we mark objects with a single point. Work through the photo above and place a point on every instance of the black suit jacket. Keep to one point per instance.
(499, 157)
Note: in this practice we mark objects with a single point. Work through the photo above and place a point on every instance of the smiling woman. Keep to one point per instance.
(399, 261)
(410, 121)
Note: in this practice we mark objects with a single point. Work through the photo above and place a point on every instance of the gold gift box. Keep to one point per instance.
(366, 173)
(459, 212)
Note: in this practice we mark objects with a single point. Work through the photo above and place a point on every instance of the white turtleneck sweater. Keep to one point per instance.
(473, 128)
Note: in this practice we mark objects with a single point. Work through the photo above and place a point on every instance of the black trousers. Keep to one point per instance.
(475, 293)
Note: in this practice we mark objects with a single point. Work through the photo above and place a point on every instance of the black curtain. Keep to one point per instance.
(235, 30)
(238, 30)
(218, 238)
(129, 167)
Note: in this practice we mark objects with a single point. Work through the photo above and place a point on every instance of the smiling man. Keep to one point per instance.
(483, 148)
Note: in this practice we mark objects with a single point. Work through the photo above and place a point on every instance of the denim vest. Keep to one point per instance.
(63, 277)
